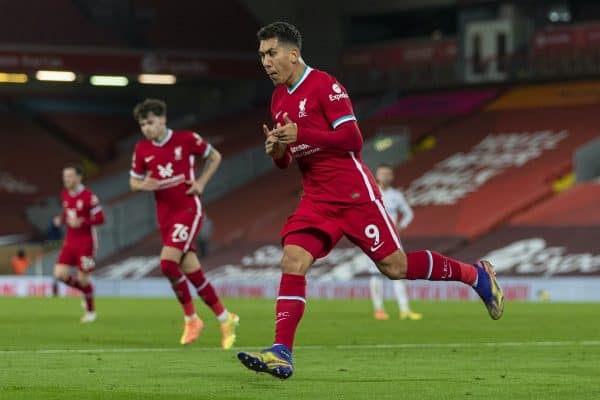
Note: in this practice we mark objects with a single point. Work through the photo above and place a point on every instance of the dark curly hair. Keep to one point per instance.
(282, 31)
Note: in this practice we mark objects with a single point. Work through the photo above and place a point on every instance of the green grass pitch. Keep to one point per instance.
(536, 351)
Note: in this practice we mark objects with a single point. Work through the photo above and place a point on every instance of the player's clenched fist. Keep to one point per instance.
(287, 133)
(272, 145)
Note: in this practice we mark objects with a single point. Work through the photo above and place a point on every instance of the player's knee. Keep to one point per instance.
(61, 274)
(292, 265)
(394, 266)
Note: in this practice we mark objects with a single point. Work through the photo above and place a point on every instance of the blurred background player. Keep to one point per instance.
(164, 163)
(81, 213)
(315, 124)
(395, 204)
(20, 262)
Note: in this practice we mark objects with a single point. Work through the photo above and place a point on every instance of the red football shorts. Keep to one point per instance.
(181, 230)
(318, 226)
(80, 255)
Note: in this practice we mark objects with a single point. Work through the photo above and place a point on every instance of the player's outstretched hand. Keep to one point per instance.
(196, 188)
(287, 133)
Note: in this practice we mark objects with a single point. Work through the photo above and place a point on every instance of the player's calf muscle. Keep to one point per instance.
(394, 266)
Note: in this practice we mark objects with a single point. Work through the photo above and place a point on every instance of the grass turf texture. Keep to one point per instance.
(135, 352)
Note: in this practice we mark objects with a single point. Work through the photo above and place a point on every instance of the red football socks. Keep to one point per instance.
(290, 308)
(425, 264)
(171, 270)
(88, 291)
(88, 294)
(206, 291)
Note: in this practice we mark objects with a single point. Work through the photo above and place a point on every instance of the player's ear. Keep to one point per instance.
(294, 55)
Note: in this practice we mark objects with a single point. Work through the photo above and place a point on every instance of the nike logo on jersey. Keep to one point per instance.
(375, 248)
(148, 159)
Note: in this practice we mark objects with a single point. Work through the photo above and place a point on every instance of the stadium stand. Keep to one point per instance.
(423, 114)
(94, 132)
(476, 184)
(186, 33)
(555, 237)
(67, 18)
(488, 165)
(30, 165)
(36, 152)
(236, 132)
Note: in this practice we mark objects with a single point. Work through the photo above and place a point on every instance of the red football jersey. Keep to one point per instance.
(318, 101)
(82, 203)
(171, 162)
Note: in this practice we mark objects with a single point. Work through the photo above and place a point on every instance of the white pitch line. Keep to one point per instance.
(584, 343)
(473, 344)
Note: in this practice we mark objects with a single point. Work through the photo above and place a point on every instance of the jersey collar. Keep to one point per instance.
(165, 140)
(307, 70)
(77, 190)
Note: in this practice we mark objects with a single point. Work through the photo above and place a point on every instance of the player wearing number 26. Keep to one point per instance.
(164, 163)
(315, 125)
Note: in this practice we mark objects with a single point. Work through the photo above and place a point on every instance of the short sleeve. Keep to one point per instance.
(138, 168)
(199, 146)
(95, 206)
(335, 102)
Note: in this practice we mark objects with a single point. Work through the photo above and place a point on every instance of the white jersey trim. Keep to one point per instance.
(171, 182)
(387, 219)
(95, 210)
(77, 191)
(430, 264)
(307, 71)
(165, 140)
(302, 299)
(364, 176)
(207, 151)
(341, 120)
(136, 175)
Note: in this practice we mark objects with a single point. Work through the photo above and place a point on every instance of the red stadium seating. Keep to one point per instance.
(97, 134)
(236, 132)
(30, 155)
(512, 190)
(556, 237)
